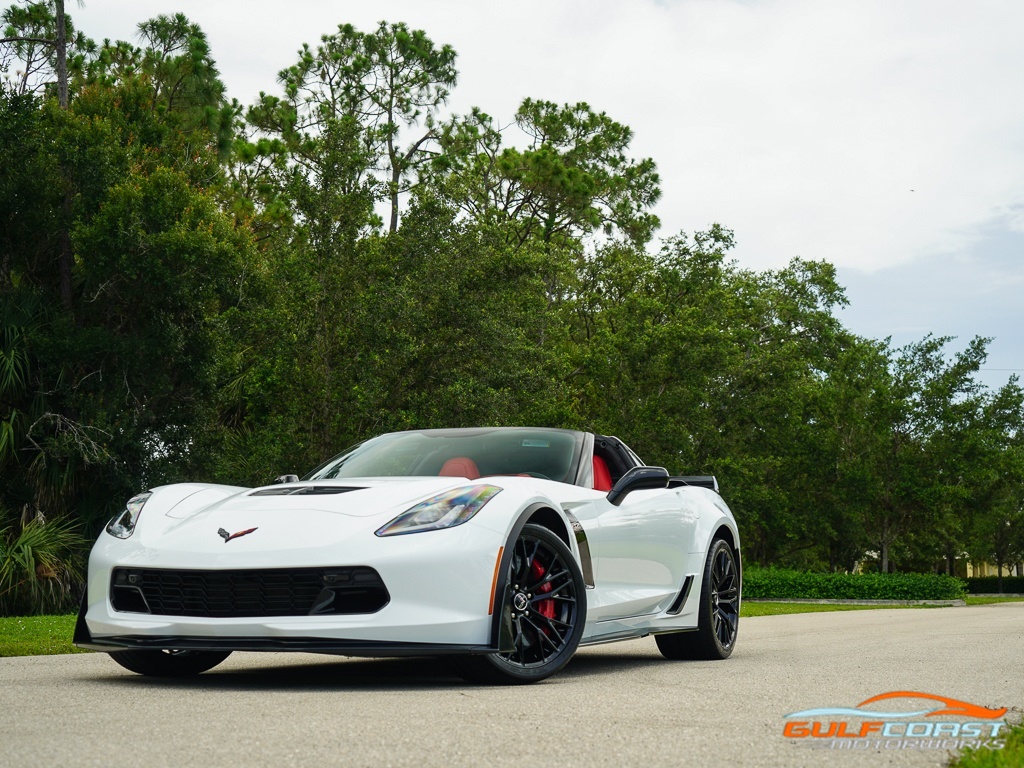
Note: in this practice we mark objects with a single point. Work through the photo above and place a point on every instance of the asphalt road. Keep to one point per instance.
(615, 705)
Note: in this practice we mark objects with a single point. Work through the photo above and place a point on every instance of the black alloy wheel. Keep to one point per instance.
(719, 611)
(544, 610)
(725, 597)
(169, 663)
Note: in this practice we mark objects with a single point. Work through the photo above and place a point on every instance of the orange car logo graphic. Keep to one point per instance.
(952, 706)
(229, 536)
(947, 706)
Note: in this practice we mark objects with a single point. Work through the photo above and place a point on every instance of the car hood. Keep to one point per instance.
(199, 518)
(302, 517)
(357, 497)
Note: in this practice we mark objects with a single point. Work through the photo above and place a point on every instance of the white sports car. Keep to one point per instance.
(506, 548)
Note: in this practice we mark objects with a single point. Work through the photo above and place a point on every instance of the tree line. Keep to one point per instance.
(196, 289)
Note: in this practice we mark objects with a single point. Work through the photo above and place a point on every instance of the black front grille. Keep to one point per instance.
(244, 593)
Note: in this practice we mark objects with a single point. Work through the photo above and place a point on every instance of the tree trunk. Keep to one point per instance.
(396, 177)
(62, 56)
(66, 260)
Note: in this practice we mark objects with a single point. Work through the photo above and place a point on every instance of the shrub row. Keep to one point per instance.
(785, 584)
(983, 584)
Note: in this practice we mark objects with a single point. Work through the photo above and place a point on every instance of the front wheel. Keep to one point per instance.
(169, 663)
(719, 612)
(546, 608)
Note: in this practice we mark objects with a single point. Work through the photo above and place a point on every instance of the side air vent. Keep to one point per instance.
(677, 604)
(305, 490)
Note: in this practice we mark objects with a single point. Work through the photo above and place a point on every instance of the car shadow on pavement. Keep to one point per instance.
(605, 663)
(361, 674)
(330, 674)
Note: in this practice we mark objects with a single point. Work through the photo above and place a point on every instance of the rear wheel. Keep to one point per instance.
(719, 613)
(545, 609)
(169, 663)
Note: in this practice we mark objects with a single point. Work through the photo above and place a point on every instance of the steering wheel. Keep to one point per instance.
(536, 474)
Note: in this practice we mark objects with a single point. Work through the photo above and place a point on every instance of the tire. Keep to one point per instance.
(545, 634)
(169, 663)
(719, 612)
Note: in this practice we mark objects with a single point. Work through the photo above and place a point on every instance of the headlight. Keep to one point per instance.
(446, 510)
(123, 525)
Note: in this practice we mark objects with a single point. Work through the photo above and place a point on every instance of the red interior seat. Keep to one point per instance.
(460, 466)
(602, 477)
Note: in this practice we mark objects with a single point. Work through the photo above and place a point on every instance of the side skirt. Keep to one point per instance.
(631, 635)
(644, 625)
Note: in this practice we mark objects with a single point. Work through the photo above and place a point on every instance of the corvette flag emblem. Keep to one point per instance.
(229, 536)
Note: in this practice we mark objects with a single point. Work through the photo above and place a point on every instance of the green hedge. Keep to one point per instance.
(785, 584)
(989, 584)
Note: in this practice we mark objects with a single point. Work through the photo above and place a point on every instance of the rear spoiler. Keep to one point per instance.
(704, 481)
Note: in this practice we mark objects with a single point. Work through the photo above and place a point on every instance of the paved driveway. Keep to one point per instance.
(614, 705)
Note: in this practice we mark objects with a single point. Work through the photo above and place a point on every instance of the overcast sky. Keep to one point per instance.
(886, 136)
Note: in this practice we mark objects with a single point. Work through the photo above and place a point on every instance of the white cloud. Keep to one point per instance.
(802, 124)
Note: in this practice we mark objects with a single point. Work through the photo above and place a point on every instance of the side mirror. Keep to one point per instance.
(286, 479)
(638, 479)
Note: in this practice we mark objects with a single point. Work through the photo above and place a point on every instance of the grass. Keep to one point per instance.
(37, 635)
(991, 600)
(777, 609)
(1010, 756)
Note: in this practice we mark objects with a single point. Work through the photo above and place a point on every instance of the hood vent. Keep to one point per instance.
(305, 490)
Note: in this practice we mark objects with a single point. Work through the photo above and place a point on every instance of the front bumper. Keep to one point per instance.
(439, 584)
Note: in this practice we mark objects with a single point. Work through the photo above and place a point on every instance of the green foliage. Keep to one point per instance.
(377, 86)
(30, 29)
(1010, 755)
(40, 567)
(28, 179)
(175, 78)
(979, 585)
(780, 583)
(573, 178)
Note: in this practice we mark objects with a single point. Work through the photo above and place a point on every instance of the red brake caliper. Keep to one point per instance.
(544, 607)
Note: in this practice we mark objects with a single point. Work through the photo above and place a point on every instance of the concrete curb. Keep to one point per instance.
(856, 602)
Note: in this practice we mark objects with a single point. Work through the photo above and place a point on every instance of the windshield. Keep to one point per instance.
(552, 454)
